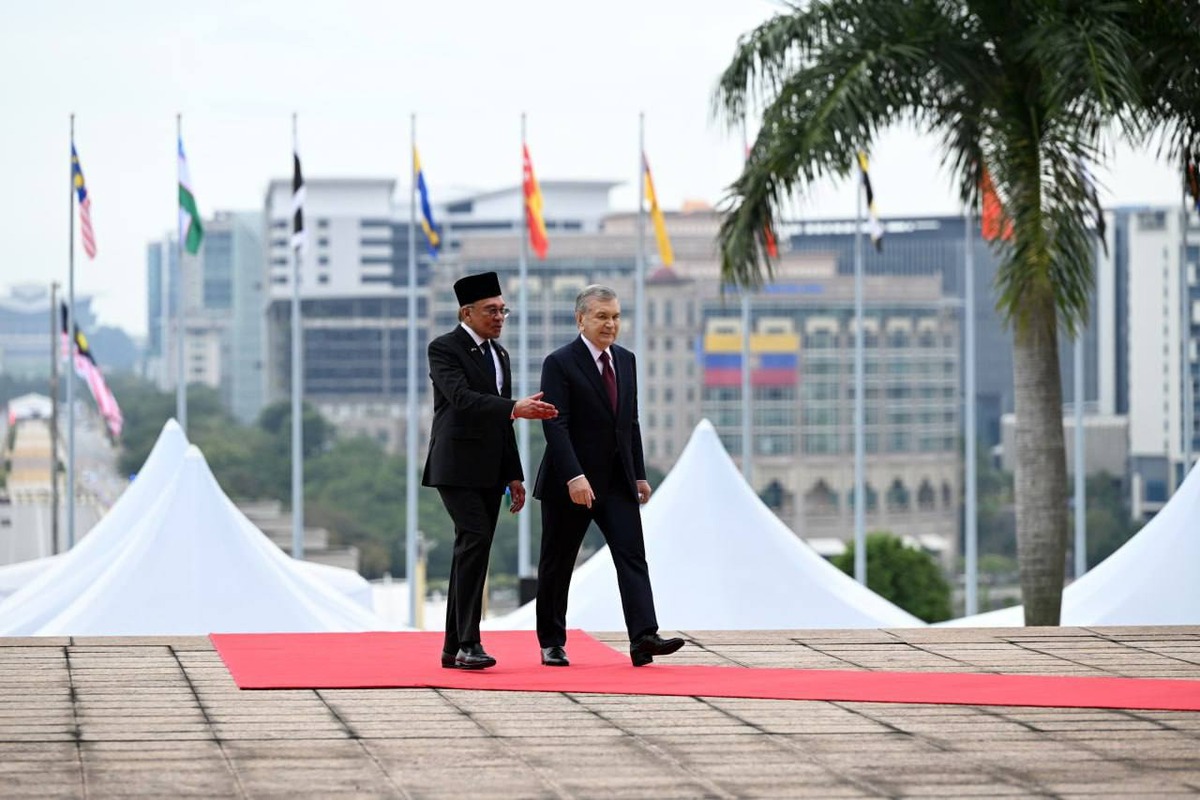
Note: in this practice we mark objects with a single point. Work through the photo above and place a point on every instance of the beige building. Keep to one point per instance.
(802, 346)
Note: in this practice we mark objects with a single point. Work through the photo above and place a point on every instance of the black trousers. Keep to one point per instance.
(474, 512)
(563, 527)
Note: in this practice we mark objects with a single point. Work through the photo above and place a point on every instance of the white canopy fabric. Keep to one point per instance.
(14, 576)
(1151, 580)
(109, 534)
(721, 560)
(36, 601)
(178, 558)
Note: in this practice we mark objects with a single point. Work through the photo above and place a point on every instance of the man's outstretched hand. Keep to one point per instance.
(532, 407)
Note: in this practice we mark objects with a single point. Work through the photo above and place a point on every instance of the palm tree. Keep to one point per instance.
(1032, 92)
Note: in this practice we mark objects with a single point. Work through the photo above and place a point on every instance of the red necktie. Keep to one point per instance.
(610, 380)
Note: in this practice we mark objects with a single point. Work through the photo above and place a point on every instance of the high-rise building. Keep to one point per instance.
(1150, 368)
(354, 304)
(235, 284)
(219, 291)
(26, 328)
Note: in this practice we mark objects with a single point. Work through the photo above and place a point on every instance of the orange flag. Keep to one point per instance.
(996, 224)
(533, 210)
(769, 242)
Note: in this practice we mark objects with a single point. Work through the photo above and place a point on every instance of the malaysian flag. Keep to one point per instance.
(87, 369)
(85, 205)
(297, 197)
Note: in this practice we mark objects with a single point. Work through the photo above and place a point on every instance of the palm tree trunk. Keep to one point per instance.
(1041, 471)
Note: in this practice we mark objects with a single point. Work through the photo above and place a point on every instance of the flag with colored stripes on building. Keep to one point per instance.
(85, 205)
(874, 226)
(433, 233)
(298, 236)
(191, 232)
(774, 355)
(665, 253)
(534, 218)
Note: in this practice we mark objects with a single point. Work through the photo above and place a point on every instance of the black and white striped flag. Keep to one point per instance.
(298, 236)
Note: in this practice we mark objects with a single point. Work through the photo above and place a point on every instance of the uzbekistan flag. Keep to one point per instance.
(191, 232)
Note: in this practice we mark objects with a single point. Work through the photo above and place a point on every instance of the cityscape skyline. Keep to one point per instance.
(363, 70)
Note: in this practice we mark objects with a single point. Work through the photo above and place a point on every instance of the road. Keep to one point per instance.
(25, 520)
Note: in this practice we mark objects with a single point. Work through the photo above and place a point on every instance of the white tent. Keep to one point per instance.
(184, 561)
(14, 576)
(31, 604)
(1151, 580)
(721, 560)
(109, 534)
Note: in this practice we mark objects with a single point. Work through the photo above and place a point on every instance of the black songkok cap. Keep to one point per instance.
(476, 287)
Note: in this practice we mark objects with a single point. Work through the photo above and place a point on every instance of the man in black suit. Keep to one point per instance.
(473, 452)
(593, 469)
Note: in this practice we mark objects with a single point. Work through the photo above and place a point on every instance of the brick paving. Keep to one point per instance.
(160, 717)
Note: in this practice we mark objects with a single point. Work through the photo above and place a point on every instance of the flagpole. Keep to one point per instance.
(640, 315)
(1080, 466)
(180, 377)
(860, 499)
(1188, 418)
(524, 561)
(410, 467)
(55, 349)
(971, 534)
(747, 389)
(164, 323)
(297, 420)
(70, 370)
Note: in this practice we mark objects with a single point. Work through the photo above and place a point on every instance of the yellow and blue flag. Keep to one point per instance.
(433, 232)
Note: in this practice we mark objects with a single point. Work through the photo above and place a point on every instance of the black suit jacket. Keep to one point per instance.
(586, 438)
(472, 443)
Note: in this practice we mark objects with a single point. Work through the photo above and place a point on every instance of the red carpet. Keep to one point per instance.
(396, 660)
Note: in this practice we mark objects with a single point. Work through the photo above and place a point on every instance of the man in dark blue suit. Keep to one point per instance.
(473, 452)
(593, 469)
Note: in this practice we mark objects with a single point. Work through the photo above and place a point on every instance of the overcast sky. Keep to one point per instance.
(354, 71)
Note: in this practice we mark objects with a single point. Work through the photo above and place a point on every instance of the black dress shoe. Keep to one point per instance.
(472, 656)
(554, 657)
(448, 660)
(643, 649)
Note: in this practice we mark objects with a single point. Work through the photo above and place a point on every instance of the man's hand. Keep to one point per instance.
(532, 407)
(581, 491)
(516, 490)
(643, 489)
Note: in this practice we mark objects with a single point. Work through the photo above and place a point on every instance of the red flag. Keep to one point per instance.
(996, 224)
(1192, 178)
(533, 210)
(769, 240)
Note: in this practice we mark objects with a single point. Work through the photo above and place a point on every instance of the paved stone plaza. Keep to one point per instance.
(160, 717)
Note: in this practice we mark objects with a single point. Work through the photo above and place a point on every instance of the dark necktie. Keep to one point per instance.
(610, 380)
(489, 364)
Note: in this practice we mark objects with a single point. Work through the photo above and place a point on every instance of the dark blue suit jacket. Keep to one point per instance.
(586, 438)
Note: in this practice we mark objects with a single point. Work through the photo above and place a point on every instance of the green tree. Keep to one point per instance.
(904, 575)
(1108, 522)
(1029, 92)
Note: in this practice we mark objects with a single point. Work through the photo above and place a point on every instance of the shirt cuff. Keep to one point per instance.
(577, 477)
